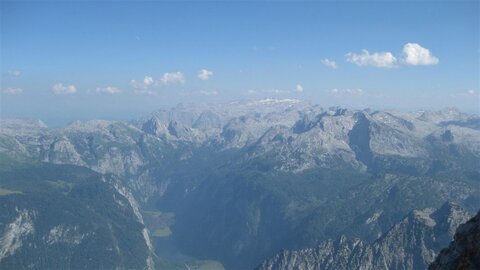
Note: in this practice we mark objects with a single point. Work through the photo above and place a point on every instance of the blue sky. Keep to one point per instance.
(62, 61)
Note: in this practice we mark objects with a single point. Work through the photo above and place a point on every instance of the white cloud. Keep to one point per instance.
(415, 55)
(299, 88)
(471, 92)
(108, 90)
(59, 88)
(377, 59)
(147, 80)
(172, 78)
(142, 85)
(12, 91)
(204, 74)
(329, 63)
(346, 92)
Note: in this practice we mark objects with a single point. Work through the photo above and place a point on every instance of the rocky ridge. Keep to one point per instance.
(410, 244)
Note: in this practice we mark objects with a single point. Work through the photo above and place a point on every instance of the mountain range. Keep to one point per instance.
(229, 185)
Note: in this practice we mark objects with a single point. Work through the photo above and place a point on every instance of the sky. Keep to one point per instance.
(64, 61)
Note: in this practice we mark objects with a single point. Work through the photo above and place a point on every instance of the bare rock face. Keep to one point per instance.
(328, 255)
(410, 244)
(464, 251)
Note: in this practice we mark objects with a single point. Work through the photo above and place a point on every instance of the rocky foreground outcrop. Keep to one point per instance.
(412, 243)
(464, 251)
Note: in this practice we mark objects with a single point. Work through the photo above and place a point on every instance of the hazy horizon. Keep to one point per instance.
(60, 122)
